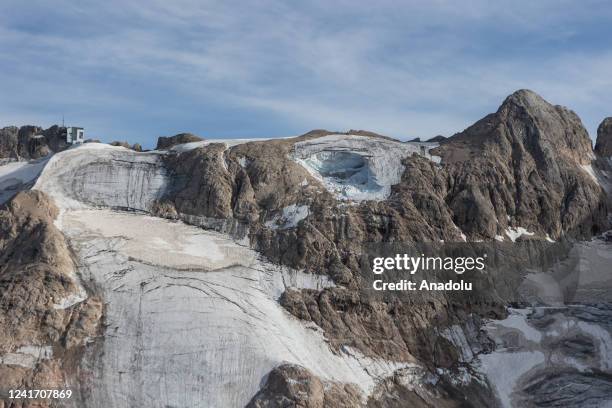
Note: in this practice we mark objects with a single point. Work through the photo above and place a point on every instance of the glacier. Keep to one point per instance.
(18, 175)
(357, 168)
(192, 316)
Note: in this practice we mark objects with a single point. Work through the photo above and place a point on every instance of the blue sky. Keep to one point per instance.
(141, 69)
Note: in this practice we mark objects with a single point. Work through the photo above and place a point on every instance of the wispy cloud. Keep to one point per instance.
(139, 69)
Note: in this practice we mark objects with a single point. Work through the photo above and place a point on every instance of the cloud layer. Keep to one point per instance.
(137, 70)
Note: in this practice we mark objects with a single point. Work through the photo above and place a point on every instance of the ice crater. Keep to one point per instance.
(346, 173)
(355, 167)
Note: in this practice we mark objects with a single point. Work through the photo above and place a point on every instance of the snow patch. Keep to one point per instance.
(290, 217)
(71, 300)
(589, 170)
(460, 377)
(243, 161)
(515, 233)
(379, 369)
(27, 356)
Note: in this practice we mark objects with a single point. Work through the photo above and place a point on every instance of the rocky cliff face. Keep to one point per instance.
(524, 168)
(167, 142)
(45, 321)
(527, 165)
(30, 142)
(603, 146)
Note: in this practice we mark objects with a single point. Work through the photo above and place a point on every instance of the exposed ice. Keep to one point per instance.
(545, 288)
(156, 241)
(17, 175)
(550, 347)
(504, 369)
(182, 337)
(243, 162)
(517, 319)
(357, 167)
(96, 174)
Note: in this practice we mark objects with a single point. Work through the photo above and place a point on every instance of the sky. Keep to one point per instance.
(221, 69)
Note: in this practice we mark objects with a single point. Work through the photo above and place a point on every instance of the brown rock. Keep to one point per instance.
(164, 143)
(291, 385)
(524, 162)
(120, 143)
(36, 273)
(30, 142)
(603, 146)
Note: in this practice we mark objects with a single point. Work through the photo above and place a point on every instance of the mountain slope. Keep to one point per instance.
(233, 272)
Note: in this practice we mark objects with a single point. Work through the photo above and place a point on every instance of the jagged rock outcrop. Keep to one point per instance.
(436, 139)
(120, 144)
(250, 183)
(30, 142)
(44, 322)
(164, 142)
(136, 146)
(524, 166)
(9, 142)
(603, 145)
(290, 385)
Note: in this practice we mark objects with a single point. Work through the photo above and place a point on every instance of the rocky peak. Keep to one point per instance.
(523, 166)
(526, 124)
(603, 146)
(164, 142)
(436, 139)
(526, 98)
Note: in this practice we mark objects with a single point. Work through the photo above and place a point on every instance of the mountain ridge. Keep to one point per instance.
(515, 180)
